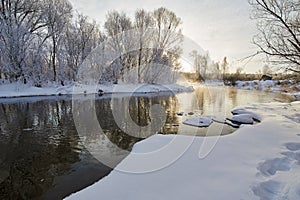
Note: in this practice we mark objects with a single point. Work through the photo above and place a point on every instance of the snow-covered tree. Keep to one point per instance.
(20, 27)
(200, 64)
(80, 39)
(117, 26)
(143, 23)
(57, 14)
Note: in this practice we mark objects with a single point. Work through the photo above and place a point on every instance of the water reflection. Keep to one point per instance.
(34, 147)
(43, 157)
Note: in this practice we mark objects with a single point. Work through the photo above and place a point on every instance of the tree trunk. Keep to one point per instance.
(54, 59)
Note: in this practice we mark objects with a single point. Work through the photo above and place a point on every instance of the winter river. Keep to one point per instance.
(41, 153)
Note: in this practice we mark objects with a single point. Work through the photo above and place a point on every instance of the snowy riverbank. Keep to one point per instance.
(21, 90)
(285, 87)
(256, 162)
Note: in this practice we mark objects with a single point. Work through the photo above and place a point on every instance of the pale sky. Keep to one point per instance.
(222, 27)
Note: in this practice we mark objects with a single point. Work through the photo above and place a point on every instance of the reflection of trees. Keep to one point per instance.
(200, 97)
(140, 108)
(39, 142)
(31, 159)
(139, 112)
(209, 100)
(109, 126)
(233, 96)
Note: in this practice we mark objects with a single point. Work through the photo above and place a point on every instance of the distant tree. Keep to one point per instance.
(200, 64)
(266, 69)
(259, 73)
(239, 71)
(278, 23)
(216, 71)
(224, 67)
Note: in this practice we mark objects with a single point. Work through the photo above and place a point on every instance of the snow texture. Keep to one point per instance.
(221, 121)
(240, 111)
(260, 162)
(199, 121)
(242, 119)
(277, 86)
(21, 90)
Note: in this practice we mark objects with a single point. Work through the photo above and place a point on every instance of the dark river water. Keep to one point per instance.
(42, 156)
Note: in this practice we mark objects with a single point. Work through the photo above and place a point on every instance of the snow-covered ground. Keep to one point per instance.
(285, 87)
(21, 90)
(260, 161)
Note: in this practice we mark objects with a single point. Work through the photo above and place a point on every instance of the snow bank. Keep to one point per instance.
(213, 83)
(21, 90)
(256, 162)
(285, 87)
(256, 85)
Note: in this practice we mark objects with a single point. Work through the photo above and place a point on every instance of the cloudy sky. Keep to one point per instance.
(222, 27)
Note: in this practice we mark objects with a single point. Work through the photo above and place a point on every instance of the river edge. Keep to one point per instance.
(15, 90)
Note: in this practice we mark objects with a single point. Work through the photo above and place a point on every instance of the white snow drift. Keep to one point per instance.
(259, 162)
(21, 90)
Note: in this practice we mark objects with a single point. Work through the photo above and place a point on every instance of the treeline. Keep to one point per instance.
(45, 41)
(207, 69)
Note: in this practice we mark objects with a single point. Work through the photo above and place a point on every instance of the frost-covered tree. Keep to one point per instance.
(169, 34)
(143, 23)
(224, 67)
(44, 41)
(81, 38)
(20, 27)
(156, 38)
(200, 64)
(57, 14)
(117, 26)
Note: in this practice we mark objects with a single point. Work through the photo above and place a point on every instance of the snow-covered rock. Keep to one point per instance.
(180, 113)
(199, 121)
(242, 119)
(240, 111)
(230, 123)
(227, 122)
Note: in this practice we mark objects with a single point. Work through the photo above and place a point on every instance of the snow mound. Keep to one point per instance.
(240, 111)
(257, 162)
(242, 119)
(199, 121)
